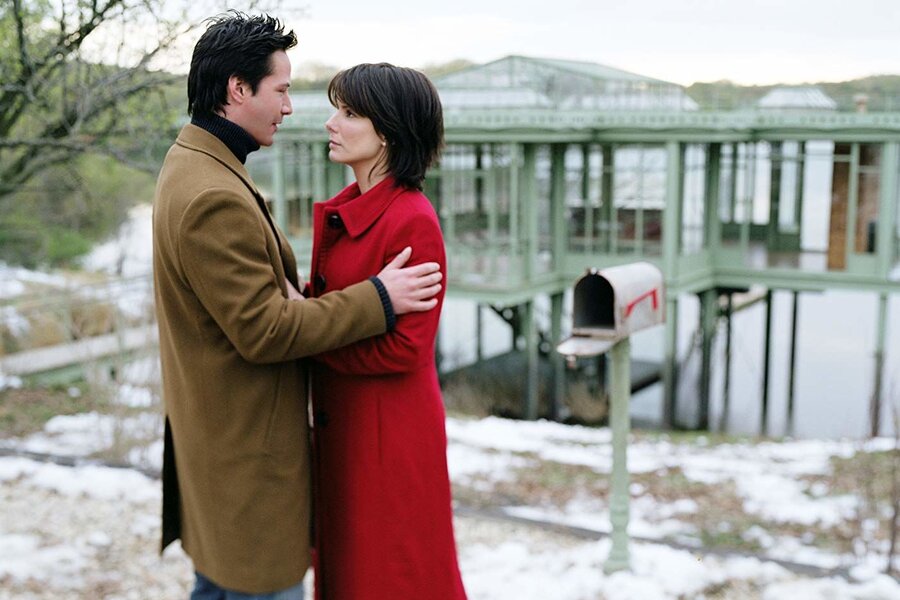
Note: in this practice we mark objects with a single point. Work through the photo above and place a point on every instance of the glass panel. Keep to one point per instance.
(653, 220)
(726, 183)
(818, 165)
(693, 232)
(544, 244)
(763, 187)
(628, 184)
(840, 193)
(654, 198)
(582, 197)
(897, 217)
(869, 189)
(790, 169)
(473, 197)
(639, 197)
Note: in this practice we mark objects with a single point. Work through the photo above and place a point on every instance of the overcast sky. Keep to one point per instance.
(749, 42)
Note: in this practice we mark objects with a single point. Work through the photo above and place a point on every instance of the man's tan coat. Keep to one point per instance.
(236, 470)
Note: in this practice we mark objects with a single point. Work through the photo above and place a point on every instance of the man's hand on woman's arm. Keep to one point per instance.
(411, 289)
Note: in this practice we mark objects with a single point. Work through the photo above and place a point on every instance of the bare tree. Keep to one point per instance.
(91, 76)
(72, 76)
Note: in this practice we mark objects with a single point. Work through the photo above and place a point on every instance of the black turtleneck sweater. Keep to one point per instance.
(232, 135)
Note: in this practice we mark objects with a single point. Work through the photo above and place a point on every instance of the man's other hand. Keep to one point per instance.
(293, 294)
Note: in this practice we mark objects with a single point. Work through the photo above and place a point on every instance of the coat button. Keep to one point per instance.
(320, 419)
(335, 221)
(320, 283)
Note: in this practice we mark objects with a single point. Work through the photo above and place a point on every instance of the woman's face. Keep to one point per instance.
(352, 140)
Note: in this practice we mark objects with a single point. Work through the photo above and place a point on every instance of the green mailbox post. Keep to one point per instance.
(610, 305)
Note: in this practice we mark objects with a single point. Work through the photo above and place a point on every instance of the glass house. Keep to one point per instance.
(555, 166)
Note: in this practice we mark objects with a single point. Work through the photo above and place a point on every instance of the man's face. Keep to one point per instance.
(262, 112)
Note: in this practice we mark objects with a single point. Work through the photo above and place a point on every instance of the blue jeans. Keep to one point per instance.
(204, 589)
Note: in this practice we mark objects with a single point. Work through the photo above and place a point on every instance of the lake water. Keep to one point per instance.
(834, 369)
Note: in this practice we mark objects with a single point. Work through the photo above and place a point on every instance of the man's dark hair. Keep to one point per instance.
(404, 108)
(233, 44)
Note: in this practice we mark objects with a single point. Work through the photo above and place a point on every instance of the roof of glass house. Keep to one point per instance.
(527, 82)
(802, 97)
(522, 69)
(524, 82)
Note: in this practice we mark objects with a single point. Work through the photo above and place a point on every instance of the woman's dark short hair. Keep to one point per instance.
(233, 44)
(405, 109)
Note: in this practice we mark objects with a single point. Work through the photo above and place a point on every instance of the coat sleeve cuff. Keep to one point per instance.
(390, 318)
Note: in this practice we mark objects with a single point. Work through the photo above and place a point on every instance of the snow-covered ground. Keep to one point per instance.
(71, 531)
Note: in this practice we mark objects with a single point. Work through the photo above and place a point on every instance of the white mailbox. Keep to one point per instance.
(611, 304)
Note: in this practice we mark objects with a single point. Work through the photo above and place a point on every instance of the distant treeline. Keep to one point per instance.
(883, 92)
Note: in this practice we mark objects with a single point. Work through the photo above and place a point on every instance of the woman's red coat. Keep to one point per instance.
(383, 519)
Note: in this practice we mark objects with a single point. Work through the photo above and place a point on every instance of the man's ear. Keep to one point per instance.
(238, 90)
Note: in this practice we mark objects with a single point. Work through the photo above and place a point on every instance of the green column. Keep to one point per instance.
(531, 353)
(434, 190)
(490, 193)
(479, 326)
(607, 191)
(672, 211)
(557, 407)
(449, 183)
(852, 201)
(800, 185)
(767, 354)
(319, 154)
(279, 203)
(749, 192)
(792, 367)
(515, 234)
(712, 235)
(776, 160)
(726, 380)
(588, 246)
(479, 180)
(671, 241)
(558, 204)
(887, 209)
(620, 394)
(881, 335)
(334, 179)
(732, 184)
(638, 247)
(708, 313)
(670, 363)
(528, 193)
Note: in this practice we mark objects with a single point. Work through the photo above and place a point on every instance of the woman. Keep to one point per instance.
(382, 493)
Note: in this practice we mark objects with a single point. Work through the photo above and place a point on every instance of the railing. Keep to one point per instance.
(59, 327)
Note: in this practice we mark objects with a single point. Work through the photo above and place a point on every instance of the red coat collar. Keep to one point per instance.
(360, 211)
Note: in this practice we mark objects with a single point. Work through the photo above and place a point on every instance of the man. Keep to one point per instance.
(236, 465)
